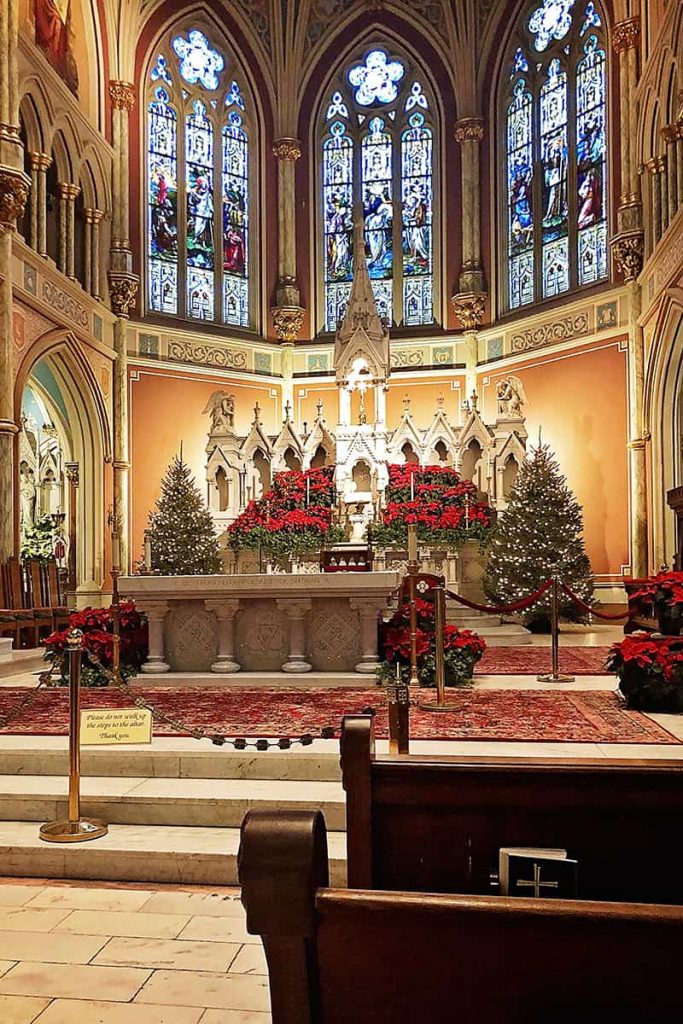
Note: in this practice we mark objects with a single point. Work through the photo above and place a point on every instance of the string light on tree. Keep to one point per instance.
(181, 532)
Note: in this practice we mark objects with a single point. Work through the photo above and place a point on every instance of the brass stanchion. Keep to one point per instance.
(413, 570)
(555, 676)
(398, 700)
(76, 829)
(439, 622)
(116, 622)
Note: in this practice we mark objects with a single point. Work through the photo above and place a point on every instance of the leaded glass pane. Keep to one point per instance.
(162, 226)
(520, 164)
(235, 184)
(521, 275)
(417, 203)
(418, 301)
(378, 213)
(336, 301)
(199, 185)
(591, 18)
(376, 79)
(160, 71)
(384, 298)
(551, 21)
(591, 163)
(555, 268)
(554, 155)
(338, 216)
(200, 300)
(198, 63)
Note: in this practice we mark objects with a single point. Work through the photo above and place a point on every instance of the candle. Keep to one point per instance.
(147, 544)
(412, 543)
(398, 673)
(115, 551)
(308, 491)
(412, 487)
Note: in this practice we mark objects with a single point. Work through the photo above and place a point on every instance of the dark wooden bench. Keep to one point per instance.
(359, 957)
(431, 824)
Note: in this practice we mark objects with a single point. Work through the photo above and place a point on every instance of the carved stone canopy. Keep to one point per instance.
(287, 321)
(469, 309)
(628, 249)
(123, 290)
(14, 186)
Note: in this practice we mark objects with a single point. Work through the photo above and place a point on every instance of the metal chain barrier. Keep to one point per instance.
(44, 681)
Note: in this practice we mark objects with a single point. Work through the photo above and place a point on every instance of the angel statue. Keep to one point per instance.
(511, 397)
(221, 405)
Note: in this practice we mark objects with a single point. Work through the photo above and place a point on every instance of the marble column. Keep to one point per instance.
(40, 163)
(68, 193)
(669, 134)
(156, 616)
(14, 189)
(288, 314)
(655, 168)
(469, 133)
(368, 612)
(296, 611)
(123, 290)
(469, 309)
(225, 611)
(637, 439)
(92, 219)
(628, 239)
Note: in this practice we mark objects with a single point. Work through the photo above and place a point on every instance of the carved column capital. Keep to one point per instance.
(625, 34)
(93, 216)
(123, 290)
(72, 471)
(67, 190)
(469, 309)
(656, 165)
(287, 149)
(469, 129)
(14, 186)
(39, 161)
(294, 609)
(287, 321)
(222, 607)
(10, 133)
(122, 95)
(628, 250)
(670, 133)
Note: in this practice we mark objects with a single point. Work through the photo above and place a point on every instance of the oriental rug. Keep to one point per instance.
(532, 661)
(543, 716)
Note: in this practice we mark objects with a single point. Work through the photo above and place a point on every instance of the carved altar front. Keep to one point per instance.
(262, 623)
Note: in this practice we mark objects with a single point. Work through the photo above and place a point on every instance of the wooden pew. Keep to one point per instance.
(359, 957)
(429, 824)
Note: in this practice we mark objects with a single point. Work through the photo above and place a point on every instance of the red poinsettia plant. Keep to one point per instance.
(445, 508)
(661, 596)
(97, 626)
(294, 517)
(650, 671)
(462, 648)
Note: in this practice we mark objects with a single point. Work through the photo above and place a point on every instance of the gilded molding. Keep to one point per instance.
(39, 161)
(287, 321)
(287, 149)
(469, 129)
(628, 250)
(67, 190)
(14, 187)
(469, 308)
(625, 35)
(122, 95)
(123, 290)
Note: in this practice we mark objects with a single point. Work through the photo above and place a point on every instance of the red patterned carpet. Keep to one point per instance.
(525, 715)
(530, 661)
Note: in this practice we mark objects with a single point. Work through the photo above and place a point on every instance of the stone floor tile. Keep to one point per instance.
(22, 1010)
(219, 929)
(6, 965)
(50, 947)
(22, 920)
(200, 988)
(123, 923)
(118, 984)
(76, 898)
(196, 903)
(168, 953)
(77, 1011)
(18, 895)
(235, 1017)
(249, 960)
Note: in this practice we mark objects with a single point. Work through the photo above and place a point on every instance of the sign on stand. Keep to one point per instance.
(116, 725)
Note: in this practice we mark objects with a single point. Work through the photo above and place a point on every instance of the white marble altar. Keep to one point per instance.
(262, 623)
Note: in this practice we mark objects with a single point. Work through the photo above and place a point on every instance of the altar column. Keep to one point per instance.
(296, 612)
(287, 313)
(225, 611)
(368, 612)
(627, 244)
(156, 616)
(470, 301)
(14, 188)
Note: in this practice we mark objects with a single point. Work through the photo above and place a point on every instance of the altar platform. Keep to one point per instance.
(261, 623)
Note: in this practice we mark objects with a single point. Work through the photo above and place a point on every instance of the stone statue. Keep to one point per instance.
(221, 405)
(511, 397)
(27, 496)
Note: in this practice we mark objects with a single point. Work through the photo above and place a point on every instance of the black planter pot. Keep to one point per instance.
(669, 619)
(647, 691)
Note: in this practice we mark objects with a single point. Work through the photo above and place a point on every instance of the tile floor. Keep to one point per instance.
(75, 954)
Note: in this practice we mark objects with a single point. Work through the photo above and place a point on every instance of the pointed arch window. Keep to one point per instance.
(555, 138)
(377, 147)
(199, 169)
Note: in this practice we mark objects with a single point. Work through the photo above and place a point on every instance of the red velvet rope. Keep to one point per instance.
(588, 608)
(505, 609)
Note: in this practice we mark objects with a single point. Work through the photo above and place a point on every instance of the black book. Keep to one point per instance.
(539, 873)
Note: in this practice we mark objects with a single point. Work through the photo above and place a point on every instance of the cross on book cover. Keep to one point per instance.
(539, 873)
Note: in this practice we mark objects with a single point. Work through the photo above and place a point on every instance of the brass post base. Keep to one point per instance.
(73, 831)
(435, 706)
(550, 677)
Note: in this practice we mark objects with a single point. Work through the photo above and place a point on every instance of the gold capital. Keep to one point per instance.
(469, 309)
(287, 321)
(123, 290)
(626, 34)
(39, 161)
(14, 186)
(287, 149)
(469, 129)
(67, 190)
(122, 95)
(628, 250)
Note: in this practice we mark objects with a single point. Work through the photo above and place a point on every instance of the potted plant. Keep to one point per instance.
(650, 672)
(662, 598)
(97, 626)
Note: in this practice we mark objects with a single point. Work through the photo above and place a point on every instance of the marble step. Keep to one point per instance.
(135, 853)
(212, 803)
(277, 680)
(5, 648)
(171, 758)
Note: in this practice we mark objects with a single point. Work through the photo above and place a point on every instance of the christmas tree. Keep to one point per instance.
(181, 530)
(539, 535)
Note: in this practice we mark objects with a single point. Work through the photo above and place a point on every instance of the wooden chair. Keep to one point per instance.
(9, 623)
(347, 956)
(431, 824)
(36, 599)
(14, 590)
(53, 593)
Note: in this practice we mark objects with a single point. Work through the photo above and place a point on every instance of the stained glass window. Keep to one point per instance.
(377, 165)
(199, 172)
(556, 146)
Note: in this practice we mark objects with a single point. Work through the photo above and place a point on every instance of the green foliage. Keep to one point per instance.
(181, 529)
(38, 540)
(539, 535)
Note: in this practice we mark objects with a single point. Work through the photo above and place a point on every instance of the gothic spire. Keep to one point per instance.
(361, 310)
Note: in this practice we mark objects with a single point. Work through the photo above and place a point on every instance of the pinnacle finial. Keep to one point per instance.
(439, 402)
(319, 408)
(288, 411)
(406, 406)
(257, 413)
(474, 398)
